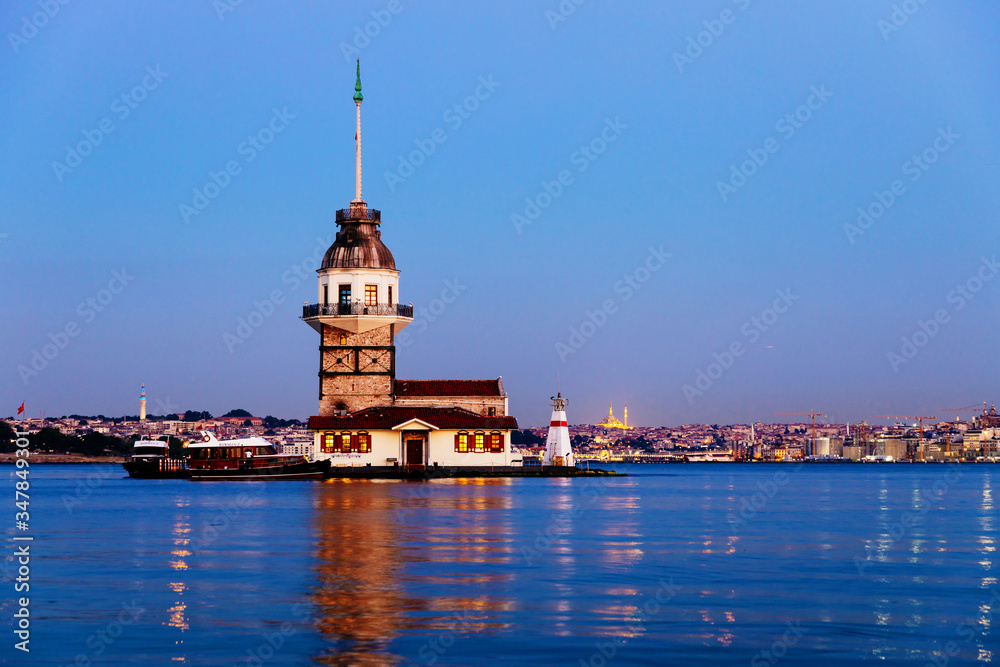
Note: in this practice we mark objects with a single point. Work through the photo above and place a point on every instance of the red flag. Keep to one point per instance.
(21, 409)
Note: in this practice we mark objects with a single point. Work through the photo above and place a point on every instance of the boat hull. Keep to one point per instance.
(306, 470)
(156, 468)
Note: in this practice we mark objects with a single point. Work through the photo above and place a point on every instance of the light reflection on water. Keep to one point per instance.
(520, 570)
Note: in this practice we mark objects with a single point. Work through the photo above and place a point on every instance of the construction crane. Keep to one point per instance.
(918, 417)
(811, 413)
(968, 409)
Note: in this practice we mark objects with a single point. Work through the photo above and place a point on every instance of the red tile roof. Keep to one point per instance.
(449, 388)
(388, 417)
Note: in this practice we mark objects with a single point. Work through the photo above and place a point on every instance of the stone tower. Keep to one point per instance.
(358, 314)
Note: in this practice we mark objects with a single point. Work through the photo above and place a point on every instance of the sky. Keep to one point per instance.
(710, 211)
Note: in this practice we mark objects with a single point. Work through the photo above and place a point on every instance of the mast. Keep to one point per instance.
(358, 97)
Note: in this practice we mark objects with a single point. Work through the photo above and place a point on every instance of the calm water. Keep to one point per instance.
(827, 564)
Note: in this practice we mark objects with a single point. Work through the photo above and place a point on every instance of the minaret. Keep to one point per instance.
(358, 313)
(558, 451)
(626, 416)
(142, 403)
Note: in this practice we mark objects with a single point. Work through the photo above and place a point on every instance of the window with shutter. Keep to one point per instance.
(462, 442)
(364, 443)
(480, 442)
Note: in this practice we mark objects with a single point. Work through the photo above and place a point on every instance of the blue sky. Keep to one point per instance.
(665, 121)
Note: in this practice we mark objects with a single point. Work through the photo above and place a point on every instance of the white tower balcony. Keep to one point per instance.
(358, 288)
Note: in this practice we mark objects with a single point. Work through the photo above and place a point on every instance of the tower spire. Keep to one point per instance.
(358, 97)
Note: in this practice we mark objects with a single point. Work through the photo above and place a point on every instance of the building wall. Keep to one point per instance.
(358, 278)
(439, 448)
(894, 447)
(478, 404)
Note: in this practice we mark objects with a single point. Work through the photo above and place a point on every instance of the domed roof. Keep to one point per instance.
(358, 246)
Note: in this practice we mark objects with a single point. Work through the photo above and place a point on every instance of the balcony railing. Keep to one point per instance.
(359, 213)
(346, 309)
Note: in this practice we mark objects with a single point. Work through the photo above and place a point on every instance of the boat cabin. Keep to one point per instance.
(149, 448)
(241, 454)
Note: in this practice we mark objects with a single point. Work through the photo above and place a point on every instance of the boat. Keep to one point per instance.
(247, 459)
(150, 459)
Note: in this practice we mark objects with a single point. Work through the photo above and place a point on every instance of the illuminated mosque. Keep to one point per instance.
(612, 422)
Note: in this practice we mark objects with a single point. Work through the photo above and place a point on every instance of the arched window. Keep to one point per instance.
(462, 442)
(496, 441)
(479, 440)
(345, 442)
(329, 442)
(364, 442)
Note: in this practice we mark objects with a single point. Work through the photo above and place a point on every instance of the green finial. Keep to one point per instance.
(357, 86)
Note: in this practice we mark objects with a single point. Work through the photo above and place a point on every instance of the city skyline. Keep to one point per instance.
(748, 281)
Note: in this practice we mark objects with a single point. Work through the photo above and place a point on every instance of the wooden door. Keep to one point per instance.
(415, 453)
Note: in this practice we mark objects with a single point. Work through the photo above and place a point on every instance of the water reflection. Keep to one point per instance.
(399, 558)
(180, 535)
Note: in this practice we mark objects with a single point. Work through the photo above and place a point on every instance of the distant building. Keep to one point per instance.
(989, 419)
(298, 448)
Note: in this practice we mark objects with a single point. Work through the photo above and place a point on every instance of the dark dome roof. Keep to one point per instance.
(358, 245)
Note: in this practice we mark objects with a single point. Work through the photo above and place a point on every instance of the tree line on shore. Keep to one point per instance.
(50, 439)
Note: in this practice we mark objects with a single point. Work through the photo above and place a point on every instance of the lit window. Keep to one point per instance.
(480, 442)
(364, 443)
(345, 295)
(345, 442)
(329, 442)
(496, 442)
(492, 412)
(343, 339)
(462, 442)
(371, 295)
